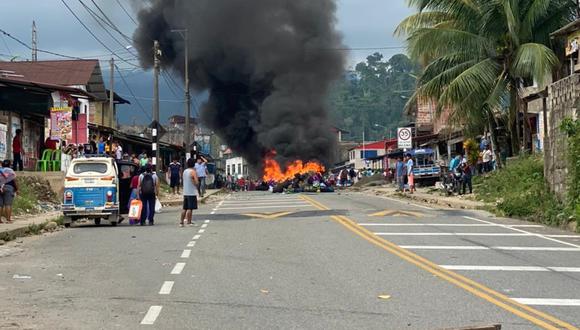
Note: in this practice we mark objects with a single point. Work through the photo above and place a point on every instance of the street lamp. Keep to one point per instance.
(386, 128)
(185, 35)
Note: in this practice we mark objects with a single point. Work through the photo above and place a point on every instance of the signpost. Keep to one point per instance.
(405, 138)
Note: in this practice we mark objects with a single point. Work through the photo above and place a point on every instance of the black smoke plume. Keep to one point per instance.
(267, 64)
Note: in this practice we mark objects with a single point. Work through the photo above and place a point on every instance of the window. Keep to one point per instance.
(83, 168)
(245, 169)
(239, 168)
(229, 173)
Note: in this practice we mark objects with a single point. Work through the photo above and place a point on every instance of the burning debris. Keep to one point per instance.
(267, 64)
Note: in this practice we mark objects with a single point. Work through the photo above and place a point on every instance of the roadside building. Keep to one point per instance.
(237, 166)
(27, 105)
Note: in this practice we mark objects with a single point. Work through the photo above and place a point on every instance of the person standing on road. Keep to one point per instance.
(400, 174)
(201, 171)
(148, 190)
(190, 193)
(17, 151)
(174, 174)
(410, 175)
(7, 192)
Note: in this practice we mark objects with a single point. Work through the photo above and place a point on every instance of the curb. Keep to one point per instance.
(12, 234)
(427, 200)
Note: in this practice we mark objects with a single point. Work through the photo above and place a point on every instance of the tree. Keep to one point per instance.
(374, 93)
(478, 54)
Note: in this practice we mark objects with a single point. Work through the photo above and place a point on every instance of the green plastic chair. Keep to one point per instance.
(56, 161)
(44, 163)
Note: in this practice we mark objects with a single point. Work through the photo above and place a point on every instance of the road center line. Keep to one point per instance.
(191, 244)
(186, 254)
(178, 268)
(151, 315)
(166, 287)
(535, 316)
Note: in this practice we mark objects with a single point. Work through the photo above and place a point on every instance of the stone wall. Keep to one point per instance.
(564, 98)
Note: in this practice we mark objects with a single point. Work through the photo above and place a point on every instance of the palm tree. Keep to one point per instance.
(478, 54)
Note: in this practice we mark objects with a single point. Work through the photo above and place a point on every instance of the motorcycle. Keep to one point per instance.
(453, 182)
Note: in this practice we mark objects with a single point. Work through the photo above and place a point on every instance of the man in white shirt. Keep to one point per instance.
(487, 157)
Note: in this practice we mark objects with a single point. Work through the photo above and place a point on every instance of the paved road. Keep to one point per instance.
(327, 261)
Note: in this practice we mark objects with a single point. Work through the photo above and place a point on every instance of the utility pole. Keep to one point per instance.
(155, 129)
(111, 93)
(34, 42)
(187, 97)
(187, 131)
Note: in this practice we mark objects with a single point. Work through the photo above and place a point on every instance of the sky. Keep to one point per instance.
(363, 23)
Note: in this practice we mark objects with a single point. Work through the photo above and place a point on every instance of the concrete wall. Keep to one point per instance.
(563, 102)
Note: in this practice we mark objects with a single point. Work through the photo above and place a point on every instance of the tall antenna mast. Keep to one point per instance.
(34, 43)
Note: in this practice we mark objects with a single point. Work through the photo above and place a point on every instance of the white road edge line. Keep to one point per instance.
(206, 221)
(204, 225)
(526, 232)
(151, 315)
(547, 302)
(196, 237)
(191, 244)
(266, 207)
(451, 234)
(178, 268)
(201, 231)
(212, 212)
(166, 287)
(475, 247)
(186, 254)
(407, 203)
(441, 225)
(514, 268)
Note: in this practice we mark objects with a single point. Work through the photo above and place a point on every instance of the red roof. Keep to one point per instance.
(63, 73)
(379, 145)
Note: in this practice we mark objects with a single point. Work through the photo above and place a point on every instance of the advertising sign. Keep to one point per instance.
(61, 123)
(405, 138)
(3, 142)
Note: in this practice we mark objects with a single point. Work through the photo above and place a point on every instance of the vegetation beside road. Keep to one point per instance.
(33, 192)
(520, 190)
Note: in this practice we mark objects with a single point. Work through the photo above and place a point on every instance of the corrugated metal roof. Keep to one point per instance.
(64, 73)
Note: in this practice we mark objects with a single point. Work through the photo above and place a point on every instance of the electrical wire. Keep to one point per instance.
(133, 94)
(93, 34)
(127, 12)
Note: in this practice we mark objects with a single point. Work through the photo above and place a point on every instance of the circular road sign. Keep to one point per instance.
(405, 134)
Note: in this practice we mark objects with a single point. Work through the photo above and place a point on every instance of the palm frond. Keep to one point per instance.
(436, 42)
(534, 61)
(420, 20)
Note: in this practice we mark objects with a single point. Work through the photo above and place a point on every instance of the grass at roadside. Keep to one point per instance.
(520, 190)
(31, 192)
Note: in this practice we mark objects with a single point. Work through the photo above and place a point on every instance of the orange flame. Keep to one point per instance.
(273, 170)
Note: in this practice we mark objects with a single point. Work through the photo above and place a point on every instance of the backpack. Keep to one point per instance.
(148, 185)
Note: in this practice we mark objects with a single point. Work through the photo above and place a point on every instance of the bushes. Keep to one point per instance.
(31, 192)
(520, 190)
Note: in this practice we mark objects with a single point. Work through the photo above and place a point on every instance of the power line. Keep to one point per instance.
(39, 50)
(126, 12)
(112, 24)
(6, 44)
(93, 34)
(98, 19)
(133, 94)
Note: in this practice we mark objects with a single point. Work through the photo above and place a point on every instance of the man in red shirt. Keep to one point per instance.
(17, 151)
